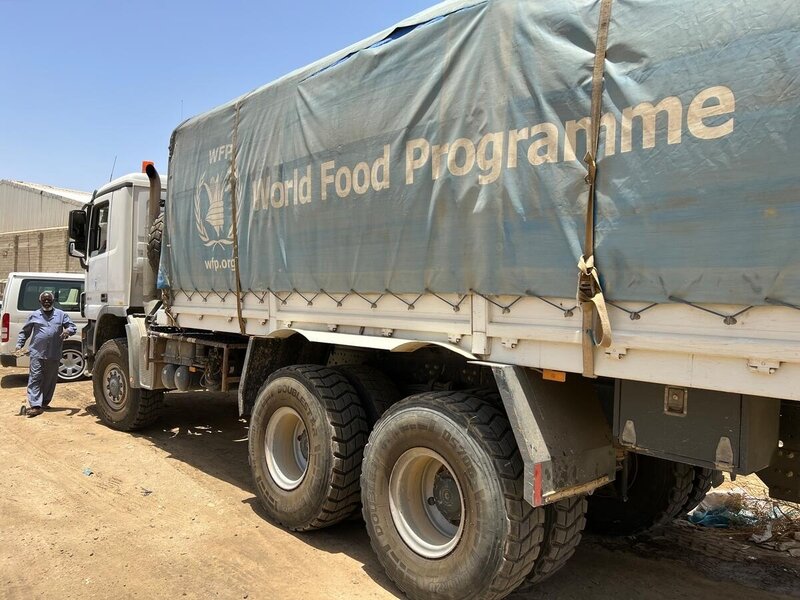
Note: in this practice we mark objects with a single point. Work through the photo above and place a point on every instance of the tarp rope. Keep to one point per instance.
(590, 292)
(235, 228)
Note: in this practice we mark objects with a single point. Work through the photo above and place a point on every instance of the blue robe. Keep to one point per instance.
(44, 330)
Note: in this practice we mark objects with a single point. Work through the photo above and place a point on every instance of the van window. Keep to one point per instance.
(67, 293)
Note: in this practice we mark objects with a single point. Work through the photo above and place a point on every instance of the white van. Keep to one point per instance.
(21, 298)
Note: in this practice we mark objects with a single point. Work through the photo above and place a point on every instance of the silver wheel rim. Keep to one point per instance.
(426, 503)
(71, 365)
(115, 387)
(286, 448)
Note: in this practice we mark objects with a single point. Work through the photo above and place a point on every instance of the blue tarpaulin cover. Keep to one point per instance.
(446, 154)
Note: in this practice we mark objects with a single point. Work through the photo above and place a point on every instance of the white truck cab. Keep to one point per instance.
(22, 298)
(116, 246)
(113, 249)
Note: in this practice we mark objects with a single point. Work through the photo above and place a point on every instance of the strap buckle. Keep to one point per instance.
(591, 168)
(593, 303)
(588, 283)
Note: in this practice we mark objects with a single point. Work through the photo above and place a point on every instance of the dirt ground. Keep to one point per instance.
(88, 512)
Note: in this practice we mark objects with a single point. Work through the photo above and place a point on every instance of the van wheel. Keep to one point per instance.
(71, 366)
(118, 404)
(307, 436)
(442, 488)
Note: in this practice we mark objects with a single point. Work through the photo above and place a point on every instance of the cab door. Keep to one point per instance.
(97, 254)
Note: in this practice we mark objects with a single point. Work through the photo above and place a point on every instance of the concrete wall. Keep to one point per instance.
(43, 250)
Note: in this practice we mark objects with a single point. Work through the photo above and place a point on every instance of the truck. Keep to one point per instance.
(501, 271)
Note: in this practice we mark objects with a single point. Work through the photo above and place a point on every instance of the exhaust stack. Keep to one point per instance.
(150, 275)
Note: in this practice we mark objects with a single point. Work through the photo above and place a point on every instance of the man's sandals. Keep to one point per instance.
(33, 411)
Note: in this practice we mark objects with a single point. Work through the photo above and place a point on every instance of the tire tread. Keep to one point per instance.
(701, 484)
(376, 390)
(151, 402)
(154, 238)
(563, 529)
(349, 423)
(657, 496)
(491, 429)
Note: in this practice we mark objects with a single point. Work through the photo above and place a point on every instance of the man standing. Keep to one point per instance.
(47, 327)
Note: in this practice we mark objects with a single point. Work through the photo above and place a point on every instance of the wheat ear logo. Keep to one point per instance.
(212, 211)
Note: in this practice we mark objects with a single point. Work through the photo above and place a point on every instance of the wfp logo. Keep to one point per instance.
(209, 211)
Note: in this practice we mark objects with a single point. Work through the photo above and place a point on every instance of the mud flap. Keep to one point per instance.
(562, 433)
(136, 333)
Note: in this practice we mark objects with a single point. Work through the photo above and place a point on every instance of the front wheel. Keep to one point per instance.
(118, 404)
(441, 486)
(70, 368)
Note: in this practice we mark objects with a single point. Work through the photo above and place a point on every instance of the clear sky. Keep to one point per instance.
(82, 82)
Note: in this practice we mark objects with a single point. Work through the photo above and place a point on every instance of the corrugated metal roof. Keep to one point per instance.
(58, 192)
(33, 206)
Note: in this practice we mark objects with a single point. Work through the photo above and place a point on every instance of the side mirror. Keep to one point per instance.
(75, 254)
(77, 233)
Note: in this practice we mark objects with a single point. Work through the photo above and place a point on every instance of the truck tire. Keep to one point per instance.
(701, 484)
(154, 238)
(376, 390)
(657, 490)
(442, 489)
(118, 404)
(71, 365)
(306, 441)
(564, 522)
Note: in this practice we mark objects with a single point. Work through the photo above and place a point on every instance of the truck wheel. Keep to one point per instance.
(118, 404)
(701, 484)
(376, 390)
(155, 235)
(70, 368)
(657, 489)
(307, 436)
(563, 524)
(442, 488)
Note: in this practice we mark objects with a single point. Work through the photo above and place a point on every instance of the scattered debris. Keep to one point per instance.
(721, 517)
(746, 514)
(786, 546)
(146, 492)
(764, 536)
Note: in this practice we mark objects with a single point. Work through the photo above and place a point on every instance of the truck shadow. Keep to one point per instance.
(203, 430)
(16, 380)
(349, 538)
